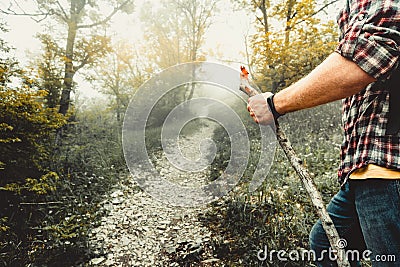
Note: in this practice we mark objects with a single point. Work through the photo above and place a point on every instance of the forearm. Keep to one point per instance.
(335, 78)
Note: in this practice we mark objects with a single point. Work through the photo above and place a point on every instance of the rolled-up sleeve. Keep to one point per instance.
(371, 37)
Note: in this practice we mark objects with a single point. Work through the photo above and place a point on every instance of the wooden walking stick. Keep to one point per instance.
(301, 170)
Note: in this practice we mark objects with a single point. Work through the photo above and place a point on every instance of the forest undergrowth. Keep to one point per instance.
(50, 227)
(279, 215)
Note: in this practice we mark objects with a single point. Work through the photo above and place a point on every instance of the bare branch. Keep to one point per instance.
(260, 20)
(101, 22)
(40, 203)
(33, 16)
(318, 11)
(64, 15)
(83, 63)
(246, 43)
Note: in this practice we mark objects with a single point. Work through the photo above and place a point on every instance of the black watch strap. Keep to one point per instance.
(270, 101)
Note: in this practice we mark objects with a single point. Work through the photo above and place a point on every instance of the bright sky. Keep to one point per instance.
(225, 37)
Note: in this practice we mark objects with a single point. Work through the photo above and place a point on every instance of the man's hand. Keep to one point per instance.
(259, 110)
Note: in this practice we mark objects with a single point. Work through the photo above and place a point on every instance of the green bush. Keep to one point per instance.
(26, 133)
(46, 218)
(26, 136)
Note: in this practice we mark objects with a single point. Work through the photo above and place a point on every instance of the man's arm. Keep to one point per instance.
(335, 78)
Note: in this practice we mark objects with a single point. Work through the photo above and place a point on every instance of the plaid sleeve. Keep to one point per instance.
(371, 36)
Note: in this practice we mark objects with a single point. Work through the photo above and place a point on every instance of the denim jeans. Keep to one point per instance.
(366, 214)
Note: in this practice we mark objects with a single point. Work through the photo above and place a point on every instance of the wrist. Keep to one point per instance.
(272, 107)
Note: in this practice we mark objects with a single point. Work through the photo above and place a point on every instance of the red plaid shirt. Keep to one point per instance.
(370, 36)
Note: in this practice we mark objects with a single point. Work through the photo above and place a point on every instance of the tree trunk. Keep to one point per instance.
(193, 53)
(289, 17)
(69, 69)
(263, 8)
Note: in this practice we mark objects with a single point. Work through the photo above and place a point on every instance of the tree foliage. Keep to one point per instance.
(27, 131)
(8, 65)
(27, 124)
(290, 41)
(81, 46)
(175, 32)
(126, 71)
(49, 68)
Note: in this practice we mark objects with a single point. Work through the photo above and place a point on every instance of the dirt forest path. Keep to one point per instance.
(141, 231)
